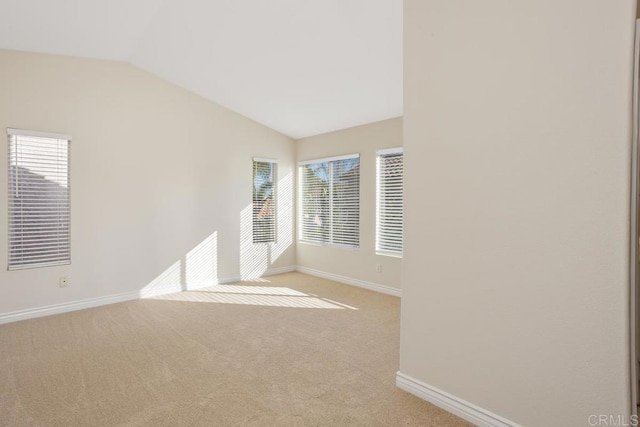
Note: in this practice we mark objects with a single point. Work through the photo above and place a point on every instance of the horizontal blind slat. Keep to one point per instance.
(38, 208)
(264, 215)
(329, 197)
(389, 204)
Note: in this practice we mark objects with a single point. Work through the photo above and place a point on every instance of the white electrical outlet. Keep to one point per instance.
(63, 281)
(379, 268)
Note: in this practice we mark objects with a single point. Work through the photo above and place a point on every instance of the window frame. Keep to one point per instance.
(378, 240)
(12, 265)
(301, 207)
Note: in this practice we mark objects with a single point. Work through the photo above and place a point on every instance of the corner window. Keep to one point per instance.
(264, 200)
(39, 210)
(329, 201)
(389, 202)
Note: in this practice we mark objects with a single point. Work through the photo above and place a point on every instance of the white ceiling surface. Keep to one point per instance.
(302, 67)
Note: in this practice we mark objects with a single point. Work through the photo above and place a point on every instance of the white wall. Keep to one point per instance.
(517, 132)
(161, 181)
(357, 264)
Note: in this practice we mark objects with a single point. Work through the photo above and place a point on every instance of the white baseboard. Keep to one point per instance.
(468, 411)
(48, 310)
(349, 281)
(66, 307)
(280, 270)
(239, 278)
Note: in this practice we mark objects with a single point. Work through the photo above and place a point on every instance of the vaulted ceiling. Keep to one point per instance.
(302, 67)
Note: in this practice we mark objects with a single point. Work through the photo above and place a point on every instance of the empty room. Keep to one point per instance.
(309, 213)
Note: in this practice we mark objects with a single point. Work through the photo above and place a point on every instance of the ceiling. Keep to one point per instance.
(301, 67)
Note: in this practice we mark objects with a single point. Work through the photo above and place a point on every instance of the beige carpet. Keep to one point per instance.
(292, 350)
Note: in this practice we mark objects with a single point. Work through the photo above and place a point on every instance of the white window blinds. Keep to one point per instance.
(39, 211)
(389, 207)
(264, 200)
(329, 201)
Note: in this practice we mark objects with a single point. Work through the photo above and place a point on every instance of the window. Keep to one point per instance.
(39, 229)
(264, 200)
(389, 210)
(329, 201)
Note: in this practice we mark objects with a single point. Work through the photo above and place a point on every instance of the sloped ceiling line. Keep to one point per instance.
(301, 67)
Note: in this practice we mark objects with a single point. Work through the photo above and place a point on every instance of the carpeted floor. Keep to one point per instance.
(288, 350)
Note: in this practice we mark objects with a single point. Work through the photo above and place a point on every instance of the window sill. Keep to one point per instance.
(330, 245)
(389, 254)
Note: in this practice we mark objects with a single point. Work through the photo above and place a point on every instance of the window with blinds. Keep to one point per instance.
(39, 211)
(264, 200)
(389, 208)
(329, 201)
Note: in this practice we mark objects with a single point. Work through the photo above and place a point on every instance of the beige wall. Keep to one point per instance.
(517, 132)
(357, 264)
(160, 181)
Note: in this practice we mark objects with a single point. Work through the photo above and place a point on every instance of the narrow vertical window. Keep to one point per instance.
(389, 205)
(39, 208)
(330, 201)
(264, 200)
